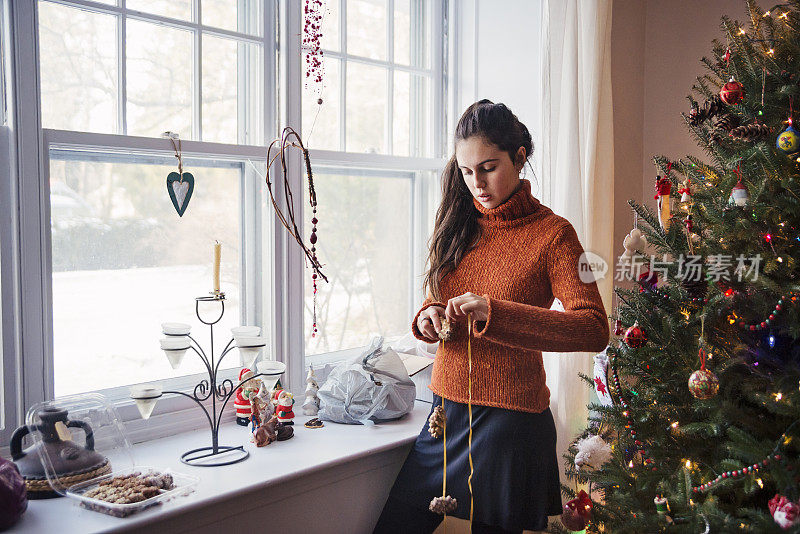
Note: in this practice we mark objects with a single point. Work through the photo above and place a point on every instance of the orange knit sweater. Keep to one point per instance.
(526, 256)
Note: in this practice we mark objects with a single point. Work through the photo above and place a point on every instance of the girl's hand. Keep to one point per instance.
(459, 307)
(430, 321)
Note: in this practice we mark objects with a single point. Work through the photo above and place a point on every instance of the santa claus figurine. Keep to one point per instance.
(284, 408)
(243, 395)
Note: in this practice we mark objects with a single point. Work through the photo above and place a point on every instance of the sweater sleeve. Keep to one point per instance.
(582, 326)
(415, 329)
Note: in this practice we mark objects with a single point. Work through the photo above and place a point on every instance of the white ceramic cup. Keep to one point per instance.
(245, 331)
(176, 329)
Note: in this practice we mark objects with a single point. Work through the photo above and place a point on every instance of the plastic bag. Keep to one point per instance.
(374, 386)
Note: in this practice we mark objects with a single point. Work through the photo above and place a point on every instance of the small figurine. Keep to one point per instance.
(264, 433)
(244, 394)
(284, 408)
(663, 187)
(311, 404)
(284, 432)
(274, 395)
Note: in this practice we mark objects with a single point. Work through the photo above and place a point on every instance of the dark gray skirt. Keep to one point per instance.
(516, 472)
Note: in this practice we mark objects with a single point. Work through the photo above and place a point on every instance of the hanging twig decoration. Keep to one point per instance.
(290, 139)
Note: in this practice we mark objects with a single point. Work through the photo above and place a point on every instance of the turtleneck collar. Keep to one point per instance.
(519, 205)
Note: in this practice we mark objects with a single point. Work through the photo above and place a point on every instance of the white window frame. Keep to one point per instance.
(26, 270)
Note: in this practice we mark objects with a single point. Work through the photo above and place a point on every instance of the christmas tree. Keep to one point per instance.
(698, 419)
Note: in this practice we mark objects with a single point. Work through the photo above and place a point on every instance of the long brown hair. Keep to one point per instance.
(457, 229)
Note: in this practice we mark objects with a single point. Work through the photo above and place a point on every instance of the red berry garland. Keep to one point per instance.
(739, 472)
(768, 321)
(626, 412)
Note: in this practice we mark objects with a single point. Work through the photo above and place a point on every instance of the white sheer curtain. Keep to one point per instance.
(577, 167)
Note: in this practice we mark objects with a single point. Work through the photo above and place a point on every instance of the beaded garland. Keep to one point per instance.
(768, 321)
(739, 472)
(626, 412)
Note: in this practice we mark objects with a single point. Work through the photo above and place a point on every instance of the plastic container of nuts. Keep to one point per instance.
(124, 493)
(84, 454)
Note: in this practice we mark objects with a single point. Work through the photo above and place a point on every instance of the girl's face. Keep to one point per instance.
(489, 173)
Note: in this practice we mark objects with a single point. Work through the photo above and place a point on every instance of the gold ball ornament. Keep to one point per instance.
(703, 384)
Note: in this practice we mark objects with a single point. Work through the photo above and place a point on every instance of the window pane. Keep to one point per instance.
(411, 126)
(159, 81)
(402, 32)
(412, 29)
(176, 9)
(366, 108)
(124, 262)
(321, 122)
(232, 84)
(236, 15)
(329, 39)
(78, 61)
(401, 118)
(366, 257)
(366, 28)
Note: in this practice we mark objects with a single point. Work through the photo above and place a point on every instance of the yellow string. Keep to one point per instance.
(444, 475)
(471, 468)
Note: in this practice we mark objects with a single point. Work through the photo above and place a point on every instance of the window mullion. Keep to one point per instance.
(389, 130)
(33, 232)
(343, 75)
(197, 104)
(122, 71)
(438, 79)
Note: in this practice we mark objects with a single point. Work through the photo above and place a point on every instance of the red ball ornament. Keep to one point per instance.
(618, 329)
(635, 336)
(648, 281)
(703, 384)
(577, 512)
(732, 92)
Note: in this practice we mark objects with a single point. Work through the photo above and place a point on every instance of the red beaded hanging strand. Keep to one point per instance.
(312, 31)
(313, 240)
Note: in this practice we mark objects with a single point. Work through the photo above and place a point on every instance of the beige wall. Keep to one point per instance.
(656, 50)
(627, 83)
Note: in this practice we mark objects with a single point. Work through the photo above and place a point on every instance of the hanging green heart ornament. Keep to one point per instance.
(180, 190)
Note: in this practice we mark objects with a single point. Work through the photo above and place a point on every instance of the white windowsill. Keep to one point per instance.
(309, 451)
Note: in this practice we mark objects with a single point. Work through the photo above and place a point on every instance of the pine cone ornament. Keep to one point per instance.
(444, 333)
(726, 122)
(751, 132)
(436, 422)
(443, 505)
(709, 109)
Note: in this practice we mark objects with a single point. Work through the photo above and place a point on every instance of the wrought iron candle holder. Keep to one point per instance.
(146, 395)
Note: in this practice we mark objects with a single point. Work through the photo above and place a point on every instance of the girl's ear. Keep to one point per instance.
(519, 159)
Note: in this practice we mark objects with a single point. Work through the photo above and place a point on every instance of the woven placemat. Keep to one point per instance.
(35, 485)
